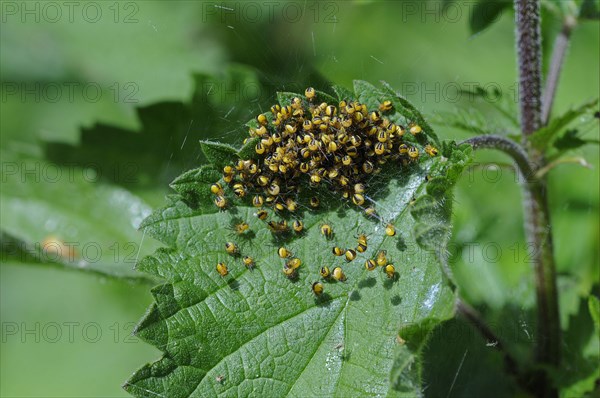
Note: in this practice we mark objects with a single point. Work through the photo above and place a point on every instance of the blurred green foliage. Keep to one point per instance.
(149, 79)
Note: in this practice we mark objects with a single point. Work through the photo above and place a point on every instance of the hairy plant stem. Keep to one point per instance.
(539, 236)
(558, 55)
(537, 216)
(529, 51)
(507, 146)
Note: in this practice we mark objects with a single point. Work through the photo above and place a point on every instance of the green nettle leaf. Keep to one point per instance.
(217, 153)
(405, 108)
(544, 137)
(569, 140)
(257, 332)
(407, 368)
(285, 98)
(187, 183)
(482, 118)
(342, 93)
(469, 120)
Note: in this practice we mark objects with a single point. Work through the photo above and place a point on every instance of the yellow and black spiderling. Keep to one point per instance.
(390, 271)
(248, 262)
(358, 199)
(385, 106)
(326, 231)
(338, 274)
(291, 205)
(415, 129)
(317, 288)
(290, 272)
(283, 252)
(239, 190)
(431, 150)
(338, 251)
(222, 269)
(298, 226)
(413, 152)
(362, 239)
(382, 258)
(231, 248)
(221, 202)
(370, 265)
(217, 189)
(274, 189)
(262, 119)
(258, 201)
(324, 272)
(260, 148)
(370, 212)
(361, 248)
(390, 230)
(350, 255)
(262, 214)
(403, 149)
(240, 227)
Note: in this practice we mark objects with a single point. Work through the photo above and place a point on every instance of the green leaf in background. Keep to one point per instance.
(78, 76)
(544, 137)
(166, 143)
(62, 216)
(481, 116)
(581, 373)
(500, 102)
(256, 332)
(594, 307)
(570, 140)
(485, 12)
(590, 9)
(470, 120)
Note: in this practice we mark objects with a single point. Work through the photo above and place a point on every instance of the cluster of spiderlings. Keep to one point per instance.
(341, 145)
(338, 274)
